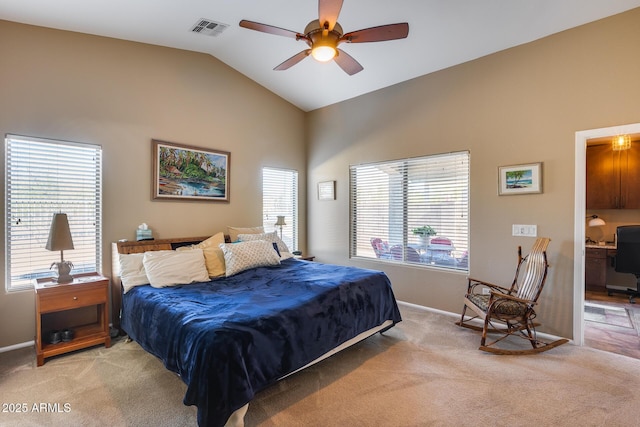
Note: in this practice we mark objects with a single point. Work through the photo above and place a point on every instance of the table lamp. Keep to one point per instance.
(280, 222)
(60, 240)
(596, 221)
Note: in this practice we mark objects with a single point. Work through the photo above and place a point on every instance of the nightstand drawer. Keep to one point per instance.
(72, 296)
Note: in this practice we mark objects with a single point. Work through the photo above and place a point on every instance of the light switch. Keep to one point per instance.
(524, 230)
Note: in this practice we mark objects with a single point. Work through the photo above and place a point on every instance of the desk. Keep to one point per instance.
(597, 258)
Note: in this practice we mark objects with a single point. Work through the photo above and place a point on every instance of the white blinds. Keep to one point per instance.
(44, 177)
(391, 199)
(280, 198)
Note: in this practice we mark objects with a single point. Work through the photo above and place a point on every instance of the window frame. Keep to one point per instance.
(290, 231)
(396, 196)
(68, 179)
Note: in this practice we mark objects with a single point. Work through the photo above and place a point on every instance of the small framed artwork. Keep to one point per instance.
(182, 172)
(520, 179)
(327, 190)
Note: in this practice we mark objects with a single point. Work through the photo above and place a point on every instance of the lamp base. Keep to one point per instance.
(64, 269)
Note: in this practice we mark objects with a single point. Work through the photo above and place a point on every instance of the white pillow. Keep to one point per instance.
(132, 271)
(269, 237)
(169, 268)
(234, 231)
(242, 256)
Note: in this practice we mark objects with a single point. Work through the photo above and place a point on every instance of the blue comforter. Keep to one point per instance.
(232, 337)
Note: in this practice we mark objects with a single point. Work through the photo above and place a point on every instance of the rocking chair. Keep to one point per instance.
(509, 311)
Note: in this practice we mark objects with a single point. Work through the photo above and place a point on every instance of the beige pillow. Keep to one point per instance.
(213, 256)
(234, 231)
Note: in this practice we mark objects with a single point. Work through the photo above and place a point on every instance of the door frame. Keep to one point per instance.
(580, 210)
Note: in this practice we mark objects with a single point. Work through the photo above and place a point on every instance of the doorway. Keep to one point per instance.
(582, 137)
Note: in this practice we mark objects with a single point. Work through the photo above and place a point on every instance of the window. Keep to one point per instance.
(44, 177)
(397, 206)
(280, 198)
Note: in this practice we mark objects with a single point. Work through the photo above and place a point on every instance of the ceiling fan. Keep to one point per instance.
(323, 36)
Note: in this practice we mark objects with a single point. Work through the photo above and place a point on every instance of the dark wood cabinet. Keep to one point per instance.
(613, 177)
(630, 177)
(595, 275)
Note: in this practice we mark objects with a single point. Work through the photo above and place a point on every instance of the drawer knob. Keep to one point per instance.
(75, 298)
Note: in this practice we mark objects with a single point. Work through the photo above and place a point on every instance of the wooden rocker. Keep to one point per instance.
(510, 311)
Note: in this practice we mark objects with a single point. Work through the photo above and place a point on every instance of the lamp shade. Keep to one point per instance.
(595, 221)
(280, 221)
(59, 234)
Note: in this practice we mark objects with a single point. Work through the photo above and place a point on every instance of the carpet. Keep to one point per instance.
(609, 315)
(426, 371)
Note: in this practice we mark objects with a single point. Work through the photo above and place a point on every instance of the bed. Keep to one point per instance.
(230, 337)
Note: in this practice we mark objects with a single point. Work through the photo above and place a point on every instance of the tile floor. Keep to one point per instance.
(612, 330)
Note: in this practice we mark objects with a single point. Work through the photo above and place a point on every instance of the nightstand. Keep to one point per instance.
(80, 306)
(305, 257)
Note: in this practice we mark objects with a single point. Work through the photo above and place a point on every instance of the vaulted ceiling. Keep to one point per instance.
(442, 33)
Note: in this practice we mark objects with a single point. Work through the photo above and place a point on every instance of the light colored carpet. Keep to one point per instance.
(424, 372)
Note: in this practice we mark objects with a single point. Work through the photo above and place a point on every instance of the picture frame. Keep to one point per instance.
(520, 179)
(327, 190)
(184, 172)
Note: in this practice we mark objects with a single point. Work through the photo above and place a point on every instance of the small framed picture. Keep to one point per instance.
(520, 179)
(327, 190)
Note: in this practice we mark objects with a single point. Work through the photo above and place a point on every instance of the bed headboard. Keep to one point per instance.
(136, 247)
(141, 246)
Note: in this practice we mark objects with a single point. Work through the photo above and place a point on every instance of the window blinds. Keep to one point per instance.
(280, 198)
(44, 177)
(391, 199)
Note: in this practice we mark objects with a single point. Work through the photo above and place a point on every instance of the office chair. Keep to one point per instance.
(627, 259)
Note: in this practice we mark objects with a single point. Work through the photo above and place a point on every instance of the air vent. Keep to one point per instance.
(208, 27)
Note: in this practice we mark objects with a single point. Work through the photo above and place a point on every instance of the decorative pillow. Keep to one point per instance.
(213, 256)
(132, 271)
(242, 256)
(234, 231)
(269, 237)
(169, 268)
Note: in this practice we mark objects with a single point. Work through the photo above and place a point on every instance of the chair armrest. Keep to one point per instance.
(475, 282)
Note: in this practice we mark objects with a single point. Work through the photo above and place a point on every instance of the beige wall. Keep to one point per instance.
(521, 105)
(120, 95)
(517, 106)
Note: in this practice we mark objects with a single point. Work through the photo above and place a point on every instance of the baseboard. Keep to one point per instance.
(433, 310)
(416, 306)
(477, 321)
(17, 346)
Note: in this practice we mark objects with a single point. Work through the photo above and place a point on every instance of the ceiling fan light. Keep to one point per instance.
(323, 53)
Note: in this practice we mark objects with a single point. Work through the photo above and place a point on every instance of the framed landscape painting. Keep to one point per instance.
(182, 172)
(520, 179)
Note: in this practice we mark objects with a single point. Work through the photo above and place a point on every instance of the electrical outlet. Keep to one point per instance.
(486, 291)
(524, 230)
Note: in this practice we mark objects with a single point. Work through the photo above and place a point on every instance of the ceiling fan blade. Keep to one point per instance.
(347, 63)
(270, 29)
(293, 60)
(377, 34)
(328, 11)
